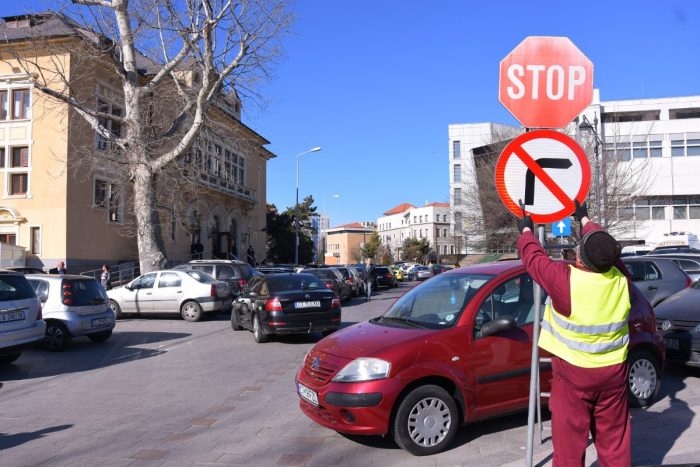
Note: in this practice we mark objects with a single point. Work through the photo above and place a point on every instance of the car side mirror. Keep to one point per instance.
(128, 287)
(498, 325)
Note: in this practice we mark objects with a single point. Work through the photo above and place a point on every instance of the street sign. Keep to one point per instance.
(562, 228)
(545, 82)
(546, 170)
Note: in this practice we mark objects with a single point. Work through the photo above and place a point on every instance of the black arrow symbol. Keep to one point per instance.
(545, 163)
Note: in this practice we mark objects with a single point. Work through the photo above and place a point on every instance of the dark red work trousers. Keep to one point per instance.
(578, 410)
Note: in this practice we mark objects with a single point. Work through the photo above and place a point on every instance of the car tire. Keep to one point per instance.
(56, 337)
(7, 359)
(235, 325)
(191, 311)
(116, 309)
(258, 333)
(99, 337)
(643, 378)
(426, 421)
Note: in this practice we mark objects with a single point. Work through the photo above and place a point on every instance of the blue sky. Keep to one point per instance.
(376, 83)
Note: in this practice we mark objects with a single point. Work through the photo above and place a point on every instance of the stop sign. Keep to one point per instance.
(545, 82)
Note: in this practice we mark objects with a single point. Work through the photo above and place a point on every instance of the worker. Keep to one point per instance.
(585, 329)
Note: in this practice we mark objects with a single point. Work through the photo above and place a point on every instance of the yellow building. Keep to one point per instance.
(65, 194)
(344, 243)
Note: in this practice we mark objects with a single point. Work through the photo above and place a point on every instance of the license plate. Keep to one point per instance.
(671, 344)
(100, 322)
(308, 394)
(11, 316)
(313, 304)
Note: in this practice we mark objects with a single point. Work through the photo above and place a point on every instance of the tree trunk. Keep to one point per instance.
(148, 232)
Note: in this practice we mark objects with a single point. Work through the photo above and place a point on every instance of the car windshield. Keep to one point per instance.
(437, 303)
(294, 282)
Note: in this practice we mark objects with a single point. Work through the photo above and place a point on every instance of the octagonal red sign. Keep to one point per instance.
(545, 82)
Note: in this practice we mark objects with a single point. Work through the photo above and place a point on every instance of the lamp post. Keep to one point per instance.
(593, 128)
(296, 207)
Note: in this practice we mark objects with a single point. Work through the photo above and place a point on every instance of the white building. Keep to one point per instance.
(431, 222)
(661, 137)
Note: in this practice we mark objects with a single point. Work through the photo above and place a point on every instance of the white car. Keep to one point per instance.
(21, 325)
(187, 292)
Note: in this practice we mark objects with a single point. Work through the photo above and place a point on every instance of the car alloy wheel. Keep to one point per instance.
(57, 337)
(643, 378)
(258, 334)
(426, 421)
(191, 311)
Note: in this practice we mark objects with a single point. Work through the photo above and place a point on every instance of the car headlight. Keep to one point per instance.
(363, 369)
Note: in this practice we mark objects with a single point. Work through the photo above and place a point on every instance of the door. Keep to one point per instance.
(168, 293)
(501, 363)
(139, 297)
(647, 276)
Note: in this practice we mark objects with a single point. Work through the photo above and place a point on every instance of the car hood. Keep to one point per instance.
(369, 340)
(680, 306)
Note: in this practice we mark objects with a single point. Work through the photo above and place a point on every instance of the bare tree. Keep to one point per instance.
(175, 63)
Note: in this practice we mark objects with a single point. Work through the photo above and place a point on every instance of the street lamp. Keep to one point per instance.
(296, 207)
(587, 126)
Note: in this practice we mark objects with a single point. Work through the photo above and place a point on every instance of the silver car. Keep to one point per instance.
(187, 292)
(72, 306)
(20, 316)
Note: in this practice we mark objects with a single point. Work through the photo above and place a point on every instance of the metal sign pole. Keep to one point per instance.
(534, 363)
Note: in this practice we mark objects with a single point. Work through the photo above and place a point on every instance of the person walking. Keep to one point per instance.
(370, 275)
(106, 277)
(585, 329)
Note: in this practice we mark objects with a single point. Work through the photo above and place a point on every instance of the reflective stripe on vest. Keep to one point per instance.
(596, 333)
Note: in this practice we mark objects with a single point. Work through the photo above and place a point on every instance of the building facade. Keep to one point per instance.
(65, 193)
(644, 154)
(345, 242)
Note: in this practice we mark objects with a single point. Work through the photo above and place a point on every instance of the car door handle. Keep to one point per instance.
(179, 291)
(149, 293)
(652, 287)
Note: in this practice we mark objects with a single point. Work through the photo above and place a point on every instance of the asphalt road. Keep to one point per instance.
(163, 391)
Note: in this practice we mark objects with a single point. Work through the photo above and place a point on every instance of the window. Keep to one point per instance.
(685, 144)
(458, 221)
(20, 157)
(108, 195)
(20, 104)
(169, 279)
(456, 150)
(10, 239)
(513, 298)
(444, 232)
(437, 233)
(18, 179)
(457, 173)
(457, 196)
(35, 240)
(107, 104)
(3, 105)
(680, 212)
(18, 184)
(145, 281)
(2, 158)
(444, 218)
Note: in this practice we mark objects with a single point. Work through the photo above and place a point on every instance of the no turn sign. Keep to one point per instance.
(546, 170)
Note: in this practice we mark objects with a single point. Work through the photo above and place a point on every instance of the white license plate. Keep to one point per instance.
(100, 322)
(308, 394)
(313, 304)
(671, 344)
(11, 316)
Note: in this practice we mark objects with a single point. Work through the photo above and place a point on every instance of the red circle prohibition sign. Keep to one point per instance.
(533, 163)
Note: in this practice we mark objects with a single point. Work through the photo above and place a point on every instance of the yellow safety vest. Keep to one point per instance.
(596, 333)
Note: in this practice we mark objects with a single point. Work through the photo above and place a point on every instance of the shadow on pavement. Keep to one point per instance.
(10, 441)
(86, 355)
(655, 433)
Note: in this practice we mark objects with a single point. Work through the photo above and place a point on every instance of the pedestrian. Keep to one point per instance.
(59, 269)
(106, 277)
(585, 329)
(250, 253)
(370, 275)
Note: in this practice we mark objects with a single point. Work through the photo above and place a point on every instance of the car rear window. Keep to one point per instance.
(86, 292)
(294, 282)
(325, 274)
(344, 272)
(15, 288)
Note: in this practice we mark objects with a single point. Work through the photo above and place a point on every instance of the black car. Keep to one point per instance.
(286, 303)
(236, 273)
(678, 321)
(689, 263)
(333, 280)
(352, 278)
(385, 278)
(26, 270)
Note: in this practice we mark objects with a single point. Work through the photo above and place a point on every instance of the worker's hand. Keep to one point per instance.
(525, 222)
(581, 210)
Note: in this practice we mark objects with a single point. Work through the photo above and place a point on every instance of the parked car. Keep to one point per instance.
(234, 272)
(662, 250)
(398, 273)
(185, 291)
(350, 278)
(286, 303)
(657, 278)
(72, 306)
(678, 320)
(411, 271)
(422, 273)
(333, 280)
(455, 349)
(273, 269)
(21, 325)
(689, 263)
(385, 278)
(26, 270)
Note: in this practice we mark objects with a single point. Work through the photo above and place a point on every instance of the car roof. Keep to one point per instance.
(216, 261)
(59, 276)
(496, 267)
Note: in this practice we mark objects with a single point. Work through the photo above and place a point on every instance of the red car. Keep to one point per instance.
(453, 350)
